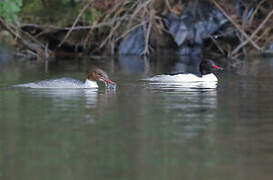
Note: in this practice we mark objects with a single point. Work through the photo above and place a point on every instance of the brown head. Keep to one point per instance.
(97, 74)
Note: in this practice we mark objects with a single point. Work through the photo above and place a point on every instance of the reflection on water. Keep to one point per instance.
(63, 98)
(143, 130)
(190, 109)
(133, 64)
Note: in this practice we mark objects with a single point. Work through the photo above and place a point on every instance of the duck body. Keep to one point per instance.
(65, 82)
(206, 68)
(184, 78)
(93, 76)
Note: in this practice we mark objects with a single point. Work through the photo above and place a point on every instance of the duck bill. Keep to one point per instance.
(214, 66)
(109, 81)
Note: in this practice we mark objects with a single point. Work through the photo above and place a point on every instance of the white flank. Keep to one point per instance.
(61, 83)
(183, 78)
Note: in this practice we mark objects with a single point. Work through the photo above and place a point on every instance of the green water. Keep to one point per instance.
(138, 131)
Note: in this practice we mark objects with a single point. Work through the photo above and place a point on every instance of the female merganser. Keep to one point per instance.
(207, 67)
(92, 77)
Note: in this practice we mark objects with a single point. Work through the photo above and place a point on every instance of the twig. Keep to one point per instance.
(139, 7)
(115, 8)
(253, 34)
(108, 23)
(28, 35)
(217, 45)
(255, 11)
(130, 30)
(168, 5)
(75, 22)
(110, 34)
(266, 31)
(236, 25)
(147, 37)
(54, 27)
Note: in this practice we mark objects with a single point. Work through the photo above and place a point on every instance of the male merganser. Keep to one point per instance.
(207, 67)
(92, 77)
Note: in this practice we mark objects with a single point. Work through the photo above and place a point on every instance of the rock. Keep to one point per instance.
(197, 22)
(134, 43)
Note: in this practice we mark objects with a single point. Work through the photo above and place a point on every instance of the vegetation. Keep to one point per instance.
(47, 28)
(10, 9)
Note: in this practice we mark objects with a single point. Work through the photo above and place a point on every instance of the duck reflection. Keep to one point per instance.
(70, 98)
(66, 98)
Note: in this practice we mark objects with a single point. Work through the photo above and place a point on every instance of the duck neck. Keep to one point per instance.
(90, 84)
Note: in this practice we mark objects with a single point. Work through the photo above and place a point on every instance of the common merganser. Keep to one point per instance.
(92, 77)
(207, 67)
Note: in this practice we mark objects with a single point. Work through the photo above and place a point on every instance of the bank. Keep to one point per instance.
(50, 29)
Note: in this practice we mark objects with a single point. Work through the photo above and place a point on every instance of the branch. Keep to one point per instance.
(236, 25)
(110, 34)
(146, 37)
(255, 11)
(25, 42)
(130, 30)
(75, 22)
(254, 33)
(28, 35)
(108, 23)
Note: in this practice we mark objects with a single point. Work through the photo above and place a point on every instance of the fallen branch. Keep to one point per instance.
(266, 32)
(253, 34)
(236, 25)
(110, 34)
(36, 51)
(28, 35)
(130, 30)
(108, 23)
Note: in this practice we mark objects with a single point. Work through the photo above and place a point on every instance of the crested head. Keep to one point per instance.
(96, 74)
(208, 66)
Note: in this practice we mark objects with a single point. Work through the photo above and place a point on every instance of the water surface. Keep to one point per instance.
(141, 130)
